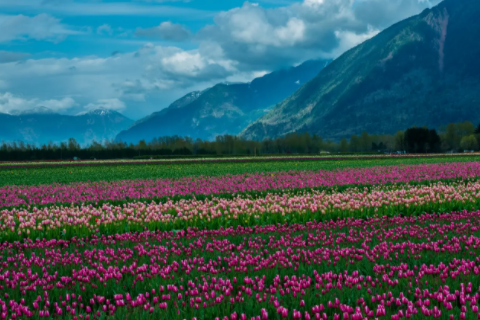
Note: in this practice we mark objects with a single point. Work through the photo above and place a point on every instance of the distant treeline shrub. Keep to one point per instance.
(454, 137)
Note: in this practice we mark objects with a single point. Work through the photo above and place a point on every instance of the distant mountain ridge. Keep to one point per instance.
(224, 108)
(422, 71)
(42, 125)
(37, 110)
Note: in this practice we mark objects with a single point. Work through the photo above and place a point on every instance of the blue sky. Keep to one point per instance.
(139, 56)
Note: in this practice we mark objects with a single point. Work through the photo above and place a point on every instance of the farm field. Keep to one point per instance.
(240, 158)
(73, 173)
(312, 239)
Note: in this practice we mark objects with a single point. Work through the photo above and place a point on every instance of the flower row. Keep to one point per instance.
(91, 192)
(65, 222)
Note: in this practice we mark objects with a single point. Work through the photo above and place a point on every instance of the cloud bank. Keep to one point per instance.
(167, 31)
(239, 44)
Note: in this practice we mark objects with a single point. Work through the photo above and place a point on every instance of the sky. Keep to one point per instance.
(138, 56)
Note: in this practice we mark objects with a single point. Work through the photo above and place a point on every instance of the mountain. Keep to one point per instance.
(422, 71)
(36, 110)
(41, 125)
(224, 108)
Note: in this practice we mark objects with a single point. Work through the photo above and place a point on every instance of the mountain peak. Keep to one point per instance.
(102, 112)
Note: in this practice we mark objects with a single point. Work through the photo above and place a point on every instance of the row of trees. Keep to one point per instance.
(454, 137)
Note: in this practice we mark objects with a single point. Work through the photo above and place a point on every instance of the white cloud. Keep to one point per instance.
(313, 3)
(184, 63)
(167, 31)
(254, 25)
(257, 37)
(145, 80)
(242, 43)
(350, 39)
(58, 105)
(111, 104)
(40, 27)
(10, 102)
(105, 29)
(291, 33)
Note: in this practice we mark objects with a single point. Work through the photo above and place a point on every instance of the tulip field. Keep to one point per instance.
(299, 239)
(40, 174)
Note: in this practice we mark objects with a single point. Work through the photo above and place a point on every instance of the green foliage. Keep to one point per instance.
(400, 141)
(454, 133)
(469, 143)
(422, 140)
(227, 145)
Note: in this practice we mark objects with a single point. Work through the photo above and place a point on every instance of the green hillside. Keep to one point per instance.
(423, 71)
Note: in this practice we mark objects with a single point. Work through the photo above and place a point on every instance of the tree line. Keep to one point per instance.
(455, 137)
